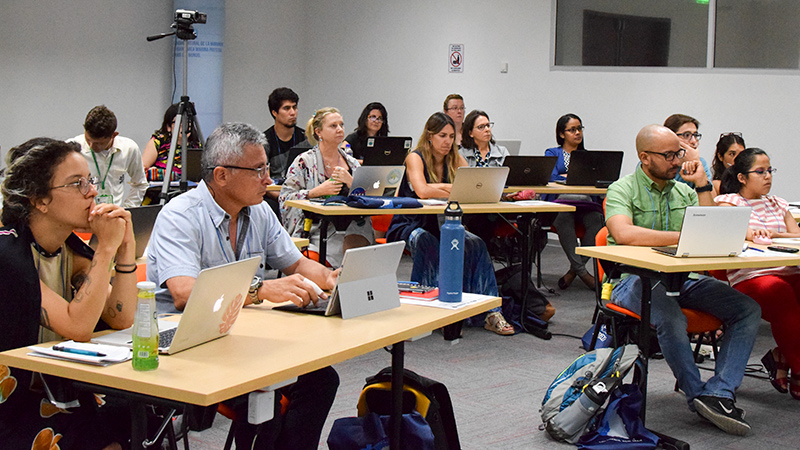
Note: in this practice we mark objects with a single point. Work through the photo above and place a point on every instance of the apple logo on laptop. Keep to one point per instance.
(377, 185)
(231, 313)
(218, 303)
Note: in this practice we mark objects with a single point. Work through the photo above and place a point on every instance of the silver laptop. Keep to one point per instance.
(382, 181)
(143, 218)
(213, 306)
(478, 184)
(367, 283)
(512, 145)
(709, 231)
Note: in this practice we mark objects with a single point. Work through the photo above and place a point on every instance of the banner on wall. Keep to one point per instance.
(204, 84)
(456, 58)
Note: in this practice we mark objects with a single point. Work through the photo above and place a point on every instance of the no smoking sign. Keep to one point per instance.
(456, 58)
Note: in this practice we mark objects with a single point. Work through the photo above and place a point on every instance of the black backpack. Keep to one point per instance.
(428, 397)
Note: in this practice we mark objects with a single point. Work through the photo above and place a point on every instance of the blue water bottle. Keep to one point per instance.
(451, 255)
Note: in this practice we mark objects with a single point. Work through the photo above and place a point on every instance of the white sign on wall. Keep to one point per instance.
(456, 58)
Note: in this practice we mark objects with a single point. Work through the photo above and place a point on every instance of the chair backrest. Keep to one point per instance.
(601, 239)
(381, 222)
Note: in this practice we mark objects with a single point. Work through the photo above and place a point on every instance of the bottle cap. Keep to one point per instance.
(453, 210)
(146, 286)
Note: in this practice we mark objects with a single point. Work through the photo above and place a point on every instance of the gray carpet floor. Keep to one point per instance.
(497, 383)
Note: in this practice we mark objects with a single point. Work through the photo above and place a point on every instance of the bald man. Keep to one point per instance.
(646, 208)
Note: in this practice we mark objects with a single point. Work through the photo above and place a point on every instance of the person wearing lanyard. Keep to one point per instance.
(111, 156)
(225, 219)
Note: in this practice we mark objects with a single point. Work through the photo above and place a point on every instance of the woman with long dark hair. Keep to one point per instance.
(156, 152)
(728, 147)
(373, 121)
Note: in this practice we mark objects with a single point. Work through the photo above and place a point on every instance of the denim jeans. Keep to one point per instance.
(478, 269)
(740, 314)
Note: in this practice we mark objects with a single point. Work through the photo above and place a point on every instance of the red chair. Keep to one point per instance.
(381, 225)
(228, 412)
(610, 314)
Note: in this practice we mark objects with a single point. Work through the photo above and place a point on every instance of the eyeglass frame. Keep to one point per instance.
(483, 126)
(731, 133)
(456, 108)
(91, 181)
(679, 154)
(763, 173)
(261, 172)
(574, 130)
(375, 118)
(683, 135)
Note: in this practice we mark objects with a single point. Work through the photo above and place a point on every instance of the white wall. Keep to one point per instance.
(58, 60)
(351, 52)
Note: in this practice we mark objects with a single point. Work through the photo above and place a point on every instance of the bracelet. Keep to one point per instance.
(706, 188)
(116, 268)
(126, 265)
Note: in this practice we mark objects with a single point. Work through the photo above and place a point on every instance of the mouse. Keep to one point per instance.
(762, 240)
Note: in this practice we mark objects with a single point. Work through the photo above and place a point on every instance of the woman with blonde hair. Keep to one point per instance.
(430, 170)
(323, 171)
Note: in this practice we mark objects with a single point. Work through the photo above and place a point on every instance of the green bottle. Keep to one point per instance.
(145, 328)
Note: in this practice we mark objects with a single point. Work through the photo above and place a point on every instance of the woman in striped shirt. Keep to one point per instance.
(777, 289)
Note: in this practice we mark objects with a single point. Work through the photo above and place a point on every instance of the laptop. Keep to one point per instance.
(386, 150)
(478, 184)
(512, 145)
(366, 284)
(213, 306)
(382, 181)
(709, 231)
(143, 218)
(529, 170)
(597, 168)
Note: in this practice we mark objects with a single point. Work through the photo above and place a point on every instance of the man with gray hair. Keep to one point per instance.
(223, 220)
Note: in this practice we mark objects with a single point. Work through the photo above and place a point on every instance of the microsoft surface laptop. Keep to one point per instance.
(478, 184)
(529, 170)
(711, 231)
(594, 168)
(377, 180)
(386, 150)
(143, 218)
(217, 297)
(512, 145)
(367, 283)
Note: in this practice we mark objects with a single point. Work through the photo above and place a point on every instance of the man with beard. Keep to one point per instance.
(646, 208)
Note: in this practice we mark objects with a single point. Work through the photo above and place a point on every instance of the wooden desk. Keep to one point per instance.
(796, 216)
(264, 348)
(652, 266)
(300, 243)
(556, 188)
(274, 187)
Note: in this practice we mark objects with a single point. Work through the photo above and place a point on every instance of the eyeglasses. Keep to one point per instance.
(732, 133)
(764, 172)
(670, 156)
(261, 172)
(457, 108)
(375, 118)
(574, 130)
(83, 184)
(687, 135)
(484, 126)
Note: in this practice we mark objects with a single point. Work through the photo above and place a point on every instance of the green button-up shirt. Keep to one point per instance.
(640, 198)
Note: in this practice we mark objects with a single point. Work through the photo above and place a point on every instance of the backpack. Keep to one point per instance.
(538, 309)
(428, 397)
(568, 386)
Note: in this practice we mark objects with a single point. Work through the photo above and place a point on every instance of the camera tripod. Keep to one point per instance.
(186, 111)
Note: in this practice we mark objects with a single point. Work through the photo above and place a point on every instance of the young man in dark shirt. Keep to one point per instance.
(285, 134)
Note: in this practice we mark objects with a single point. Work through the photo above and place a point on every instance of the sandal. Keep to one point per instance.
(497, 323)
(773, 366)
(794, 386)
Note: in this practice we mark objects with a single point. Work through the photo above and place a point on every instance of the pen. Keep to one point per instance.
(755, 249)
(78, 351)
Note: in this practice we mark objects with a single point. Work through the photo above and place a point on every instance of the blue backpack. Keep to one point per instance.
(569, 385)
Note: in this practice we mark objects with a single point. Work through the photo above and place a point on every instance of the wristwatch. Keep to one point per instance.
(253, 292)
(706, 188)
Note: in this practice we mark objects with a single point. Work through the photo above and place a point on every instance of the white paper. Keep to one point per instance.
(113, 354)
(766, 253)
(466, 300)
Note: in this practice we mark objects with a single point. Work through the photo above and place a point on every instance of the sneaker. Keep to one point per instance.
(723, 413)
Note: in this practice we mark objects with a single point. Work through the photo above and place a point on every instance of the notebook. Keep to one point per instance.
(143, 218)
(377, 180)
(529, 170)
(213, 306)
(594, 168)
(512, 145)
(478, 184)
(386, 150)
(367, 283)
(709, 231)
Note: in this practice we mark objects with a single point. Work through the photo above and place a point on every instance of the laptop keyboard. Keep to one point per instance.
(672, 251)
(165, 337)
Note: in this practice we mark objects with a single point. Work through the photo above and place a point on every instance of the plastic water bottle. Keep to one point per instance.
(570, 424)
(451, 255)
(145, 328)
(348, 150)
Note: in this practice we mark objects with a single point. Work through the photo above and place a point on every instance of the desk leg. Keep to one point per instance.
(138, 425)
(398, 351)
(644, 341)
(526, 229)
(323, 240)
